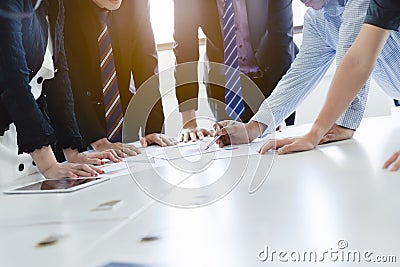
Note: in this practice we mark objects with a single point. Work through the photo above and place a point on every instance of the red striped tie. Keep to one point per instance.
(112, 102)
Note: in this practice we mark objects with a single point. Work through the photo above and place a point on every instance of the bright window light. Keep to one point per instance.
(162, 18)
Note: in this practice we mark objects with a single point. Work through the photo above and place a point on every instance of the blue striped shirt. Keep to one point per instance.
(329, 33)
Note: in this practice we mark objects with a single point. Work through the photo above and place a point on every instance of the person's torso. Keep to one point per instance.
(82, 28)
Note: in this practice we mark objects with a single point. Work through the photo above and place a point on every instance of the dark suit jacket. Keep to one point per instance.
(271, 30)
(134, 52)
(22, 48)
(272, 36)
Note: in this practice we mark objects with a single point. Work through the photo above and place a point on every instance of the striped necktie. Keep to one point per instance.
(112, 102)
(234, 104)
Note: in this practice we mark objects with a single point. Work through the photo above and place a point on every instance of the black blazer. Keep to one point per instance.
(134, 52)
(271, 31)
(22, 47)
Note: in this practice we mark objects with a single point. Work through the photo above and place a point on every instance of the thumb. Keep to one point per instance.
(143, 142)
(286, 149)
(327, 138)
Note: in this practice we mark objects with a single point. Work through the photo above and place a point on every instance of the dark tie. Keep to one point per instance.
(112, 102)
(234, 104)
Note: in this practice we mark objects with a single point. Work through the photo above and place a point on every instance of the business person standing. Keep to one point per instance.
(381, 21)
(265, 51)
(330, 28)
(111, 52)
(36, 106)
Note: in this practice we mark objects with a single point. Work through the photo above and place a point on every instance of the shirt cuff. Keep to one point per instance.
(350, 119)
(38, 143)
(265, 117)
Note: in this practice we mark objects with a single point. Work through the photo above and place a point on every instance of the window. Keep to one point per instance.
(162, 18)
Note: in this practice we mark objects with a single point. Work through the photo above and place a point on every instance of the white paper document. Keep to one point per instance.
(194, 150)
(156, 156)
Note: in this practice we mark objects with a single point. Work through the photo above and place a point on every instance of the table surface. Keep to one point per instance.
(332, 203)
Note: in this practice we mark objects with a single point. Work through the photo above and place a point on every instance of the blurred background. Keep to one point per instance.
(162, 18)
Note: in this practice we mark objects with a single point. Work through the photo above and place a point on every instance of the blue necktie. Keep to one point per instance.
(234, 104)
(112, 102)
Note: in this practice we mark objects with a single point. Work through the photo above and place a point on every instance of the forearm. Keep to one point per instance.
(71, 154)
(307, 70)
(353, 18)
(189, 119)
(347, 82)
(44, 158)
(255, 129)
(350, 76)
(98, 145)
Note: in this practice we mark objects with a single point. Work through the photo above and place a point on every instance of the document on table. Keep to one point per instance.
(156, 156)
(130, 164)
(197, 149)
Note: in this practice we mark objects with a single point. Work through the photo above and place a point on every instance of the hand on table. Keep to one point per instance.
(190, 129)
(235, 133)
(95, 158)
(307, 142)
(289, 145)
(194, 134)
(50, 168)
(337, 133)
(157, 139)
(71, 170)
(393, 161)
(121, 150)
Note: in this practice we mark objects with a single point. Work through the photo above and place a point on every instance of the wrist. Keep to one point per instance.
(98, 144)
(44, 158)
(315, 134)
(189, 119)
(71, 154)
(254, 129)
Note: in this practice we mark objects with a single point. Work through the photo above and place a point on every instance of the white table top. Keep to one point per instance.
(309, 202)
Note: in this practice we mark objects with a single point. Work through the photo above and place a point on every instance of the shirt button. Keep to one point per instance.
(88, 93)
(98, 103)
(21, 167)
(39, 80)
(240, 46)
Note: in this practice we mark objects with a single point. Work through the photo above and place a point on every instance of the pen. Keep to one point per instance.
(218, 137)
